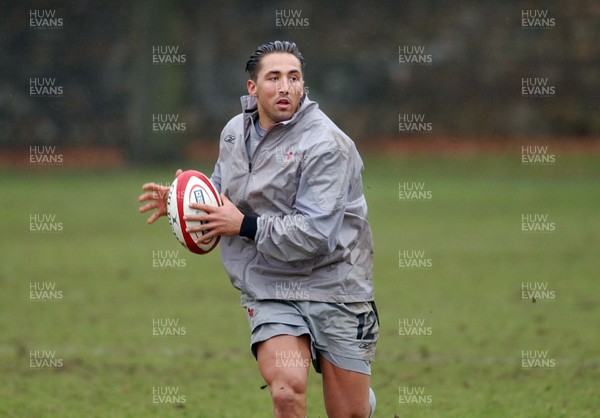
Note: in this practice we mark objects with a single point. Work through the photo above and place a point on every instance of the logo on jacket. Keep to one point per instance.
(251, 312)
(287, 154)
(230, 139)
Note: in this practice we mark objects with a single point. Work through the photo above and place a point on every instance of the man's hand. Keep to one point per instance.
(220, 220)
(158, 195)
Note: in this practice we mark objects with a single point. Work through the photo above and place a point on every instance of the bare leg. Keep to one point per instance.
(284, 363)
(346, 393)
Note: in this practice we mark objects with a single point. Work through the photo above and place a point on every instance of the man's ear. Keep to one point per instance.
(251, 85)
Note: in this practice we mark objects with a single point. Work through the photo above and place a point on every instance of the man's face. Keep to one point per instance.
(278, 87)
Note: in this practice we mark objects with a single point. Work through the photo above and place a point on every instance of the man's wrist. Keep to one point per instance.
(249, 226)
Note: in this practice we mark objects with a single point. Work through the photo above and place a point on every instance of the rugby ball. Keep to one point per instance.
(191, 187)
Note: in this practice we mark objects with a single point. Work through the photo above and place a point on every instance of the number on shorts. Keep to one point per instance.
(363, 318)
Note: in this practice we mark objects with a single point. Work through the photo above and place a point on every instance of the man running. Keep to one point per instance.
(295, 238)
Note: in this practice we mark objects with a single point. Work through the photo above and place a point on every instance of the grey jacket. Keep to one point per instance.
(312, 241)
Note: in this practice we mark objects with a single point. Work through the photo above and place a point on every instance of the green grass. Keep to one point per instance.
(470, 229)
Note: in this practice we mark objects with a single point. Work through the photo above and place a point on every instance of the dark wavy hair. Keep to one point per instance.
(253, 64)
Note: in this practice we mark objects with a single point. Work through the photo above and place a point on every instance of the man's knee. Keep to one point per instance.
(288, 390)
(283, 362)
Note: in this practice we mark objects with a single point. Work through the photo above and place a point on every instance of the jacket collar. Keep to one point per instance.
(250, 109)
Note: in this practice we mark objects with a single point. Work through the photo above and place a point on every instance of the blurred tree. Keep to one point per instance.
(157, 81)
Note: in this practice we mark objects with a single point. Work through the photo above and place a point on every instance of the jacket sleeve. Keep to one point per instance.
(215, 178)
(216, 175)
(312, 229)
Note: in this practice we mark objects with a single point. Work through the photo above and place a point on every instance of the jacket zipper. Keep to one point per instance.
(245, 194)
(250, 166)
(250, 160)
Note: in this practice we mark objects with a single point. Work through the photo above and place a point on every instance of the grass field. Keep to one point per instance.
(98, 323)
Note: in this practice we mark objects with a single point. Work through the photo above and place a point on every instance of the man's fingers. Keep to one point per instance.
(207, 236)
(203, 207)
(209, 228)
(148, 196)
(201, 222)
(149, 186)
(155, 187)
(153, 218)
(156, 195)
(148, 207)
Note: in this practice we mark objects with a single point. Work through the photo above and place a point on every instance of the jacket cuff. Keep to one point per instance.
(249, 227)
